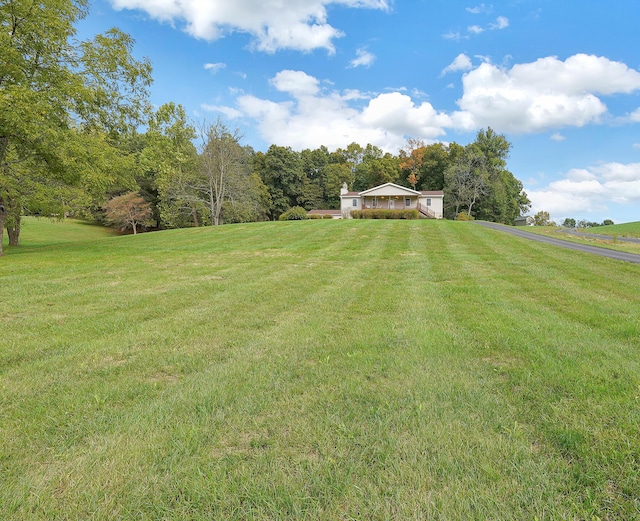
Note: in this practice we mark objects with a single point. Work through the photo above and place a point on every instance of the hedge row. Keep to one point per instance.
(384, 214)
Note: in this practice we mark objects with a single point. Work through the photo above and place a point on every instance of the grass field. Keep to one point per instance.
(317, 370)
(624, 230)
(615, 232)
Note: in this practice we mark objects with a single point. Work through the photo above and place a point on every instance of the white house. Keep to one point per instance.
(390, 196)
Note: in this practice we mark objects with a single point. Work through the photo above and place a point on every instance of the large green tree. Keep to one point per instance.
(169, 168)
(54, 88)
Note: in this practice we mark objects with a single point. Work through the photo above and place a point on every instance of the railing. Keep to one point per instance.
(425, 210)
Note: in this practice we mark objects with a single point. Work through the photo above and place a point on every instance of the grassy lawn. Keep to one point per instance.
(317, 370)
(624, 230)
(611, 244)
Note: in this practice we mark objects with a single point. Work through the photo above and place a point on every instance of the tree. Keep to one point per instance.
(224, 166)
(542, 218)
(281, 170)
(127, 211)
(54, 89)
(411, 159)
(569, 223)
(466, 180)
(169, 164)
(504, 199)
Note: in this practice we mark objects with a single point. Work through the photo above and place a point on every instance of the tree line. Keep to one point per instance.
(71, 144)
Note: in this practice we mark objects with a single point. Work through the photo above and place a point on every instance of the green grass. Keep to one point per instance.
(46, 233)
(318, 370)
(624, 230)
(610, 244)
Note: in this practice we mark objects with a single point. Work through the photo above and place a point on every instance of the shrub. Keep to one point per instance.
(463, 216)
(295, 213)
(314, 216)
(327, 217)
(384, 214)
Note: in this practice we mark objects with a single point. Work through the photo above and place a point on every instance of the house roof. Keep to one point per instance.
(393, 186)
(396, 189)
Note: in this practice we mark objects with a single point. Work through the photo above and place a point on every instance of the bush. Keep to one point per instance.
(384, 214)
(315, 216)
(327, 217)
(295, 213)
(463, 216)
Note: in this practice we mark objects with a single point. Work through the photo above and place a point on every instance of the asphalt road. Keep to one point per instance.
(613, 254)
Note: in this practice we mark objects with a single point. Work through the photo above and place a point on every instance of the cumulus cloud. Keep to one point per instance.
(460, 63)
(297, 24)
(214, 67)
(547, 93)
(558, 137)
(589, 190)
(527, 98)
(363, 59)
(315, 116)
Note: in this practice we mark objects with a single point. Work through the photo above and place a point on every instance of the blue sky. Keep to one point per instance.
(561, 80)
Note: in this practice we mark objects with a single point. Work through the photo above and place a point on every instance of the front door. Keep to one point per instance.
(392, 204)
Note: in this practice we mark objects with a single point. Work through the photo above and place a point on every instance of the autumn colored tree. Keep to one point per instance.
(411, 159)
(127, 211)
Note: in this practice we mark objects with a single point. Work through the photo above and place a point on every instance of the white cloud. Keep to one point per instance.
(296, 24)
(636, 145)
(215, 67)
(634, 117)
(363, 59)
(558, 137)
(460, 63)
(501, 23)
(547, 93)
(482, 8)
(314, 117)
(454, 36)
(527, 98)
(475, 29)
(589, 190)
(296, 83)
(228, 112)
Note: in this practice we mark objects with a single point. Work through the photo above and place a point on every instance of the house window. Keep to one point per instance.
(407, 202)
(428, 202)
(355, 202)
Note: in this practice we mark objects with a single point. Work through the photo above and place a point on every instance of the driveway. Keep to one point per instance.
(613, 254)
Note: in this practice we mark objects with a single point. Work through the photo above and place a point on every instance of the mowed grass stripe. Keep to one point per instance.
(354, 369)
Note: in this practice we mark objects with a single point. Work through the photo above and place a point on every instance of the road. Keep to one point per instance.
(613, 254)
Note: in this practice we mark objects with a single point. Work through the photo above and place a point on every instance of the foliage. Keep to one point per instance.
(128, 211)
(466, 180)
(542, 218)
(295, 213)
(59, 95)
(464, 216)
(371, 213)
(569, 223)
(169, 165)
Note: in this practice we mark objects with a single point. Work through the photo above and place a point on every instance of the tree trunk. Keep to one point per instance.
(1, 223)
(14, 235)
(194, 212)
(13, 224)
